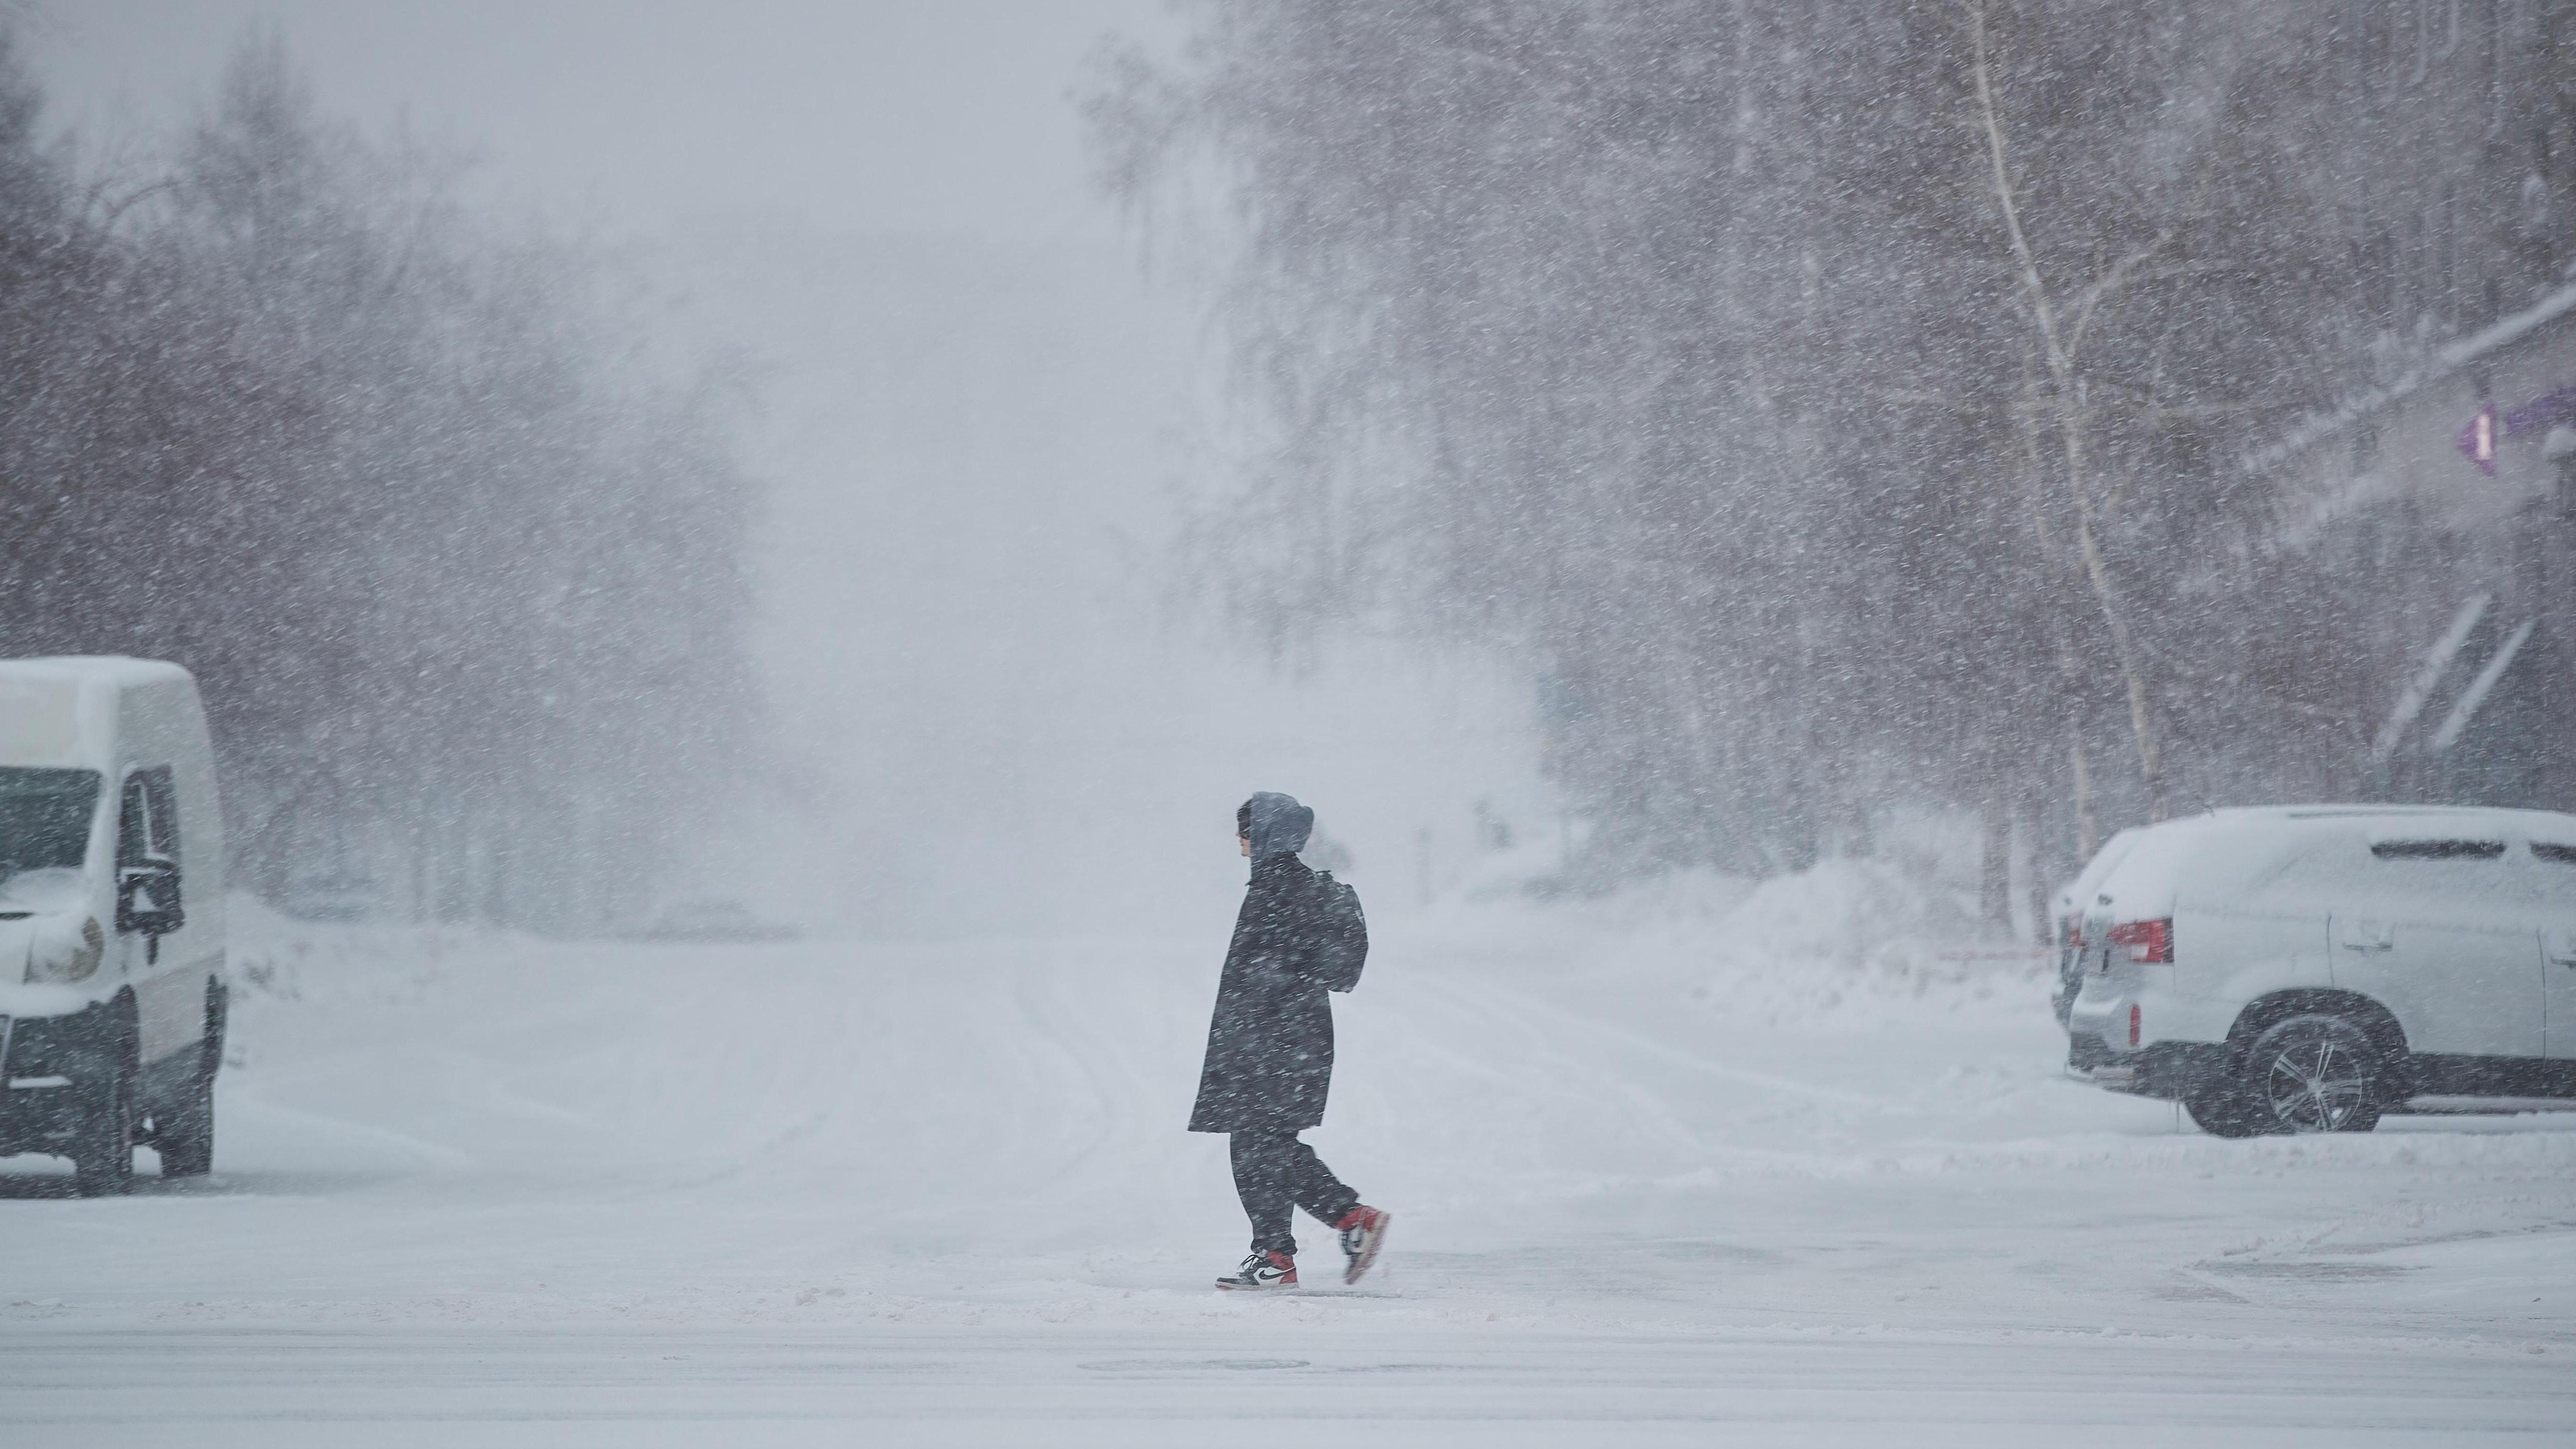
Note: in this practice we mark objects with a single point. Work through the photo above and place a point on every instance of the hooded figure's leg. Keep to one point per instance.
(1260, 1180)
(1311, 1185)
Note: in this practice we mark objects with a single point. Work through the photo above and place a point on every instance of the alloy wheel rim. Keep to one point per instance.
(2316, 1086)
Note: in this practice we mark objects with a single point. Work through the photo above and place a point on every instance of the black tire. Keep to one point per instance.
(186, 1137)
(2223, 1108)
(2313, 1073)
(103, 1148)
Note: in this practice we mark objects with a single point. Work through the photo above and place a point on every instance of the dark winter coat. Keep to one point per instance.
(1270, 1044)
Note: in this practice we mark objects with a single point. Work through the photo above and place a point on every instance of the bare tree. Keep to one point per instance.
(284, 413)
(1814, 459)
(2061, 324)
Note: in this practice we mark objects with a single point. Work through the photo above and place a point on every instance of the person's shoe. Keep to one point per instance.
(1262, 1269)
(1363, 1231)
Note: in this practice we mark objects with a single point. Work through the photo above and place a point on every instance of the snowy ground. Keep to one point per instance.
(1661, 1177)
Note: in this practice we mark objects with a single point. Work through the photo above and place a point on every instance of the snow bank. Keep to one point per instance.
(1846, 944)
(293, 978)
(1854, 942)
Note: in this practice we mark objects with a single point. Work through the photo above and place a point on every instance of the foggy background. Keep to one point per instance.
(970, 419)
(1708, 438)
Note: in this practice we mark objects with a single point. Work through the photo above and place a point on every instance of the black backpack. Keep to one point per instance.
(1341, 939)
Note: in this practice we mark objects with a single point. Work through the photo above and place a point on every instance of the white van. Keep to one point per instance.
(2306, 969)
(111, 917)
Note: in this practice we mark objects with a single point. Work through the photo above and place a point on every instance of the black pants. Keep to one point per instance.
(1274, 1172)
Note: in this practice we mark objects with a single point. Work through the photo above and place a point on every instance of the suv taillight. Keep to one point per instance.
(2148, 941)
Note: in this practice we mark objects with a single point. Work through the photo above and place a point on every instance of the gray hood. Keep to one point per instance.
(1279, 825)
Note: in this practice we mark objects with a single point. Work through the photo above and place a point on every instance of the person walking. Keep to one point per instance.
(1269, 1060)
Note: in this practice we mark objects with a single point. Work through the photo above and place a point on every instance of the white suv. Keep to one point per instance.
(2305, 969)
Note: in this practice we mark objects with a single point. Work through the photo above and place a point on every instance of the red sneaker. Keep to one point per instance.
(1363, 1231)
(1262, 1269)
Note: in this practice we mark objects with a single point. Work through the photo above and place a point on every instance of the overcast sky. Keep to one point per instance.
(971, 442)
(912, 115)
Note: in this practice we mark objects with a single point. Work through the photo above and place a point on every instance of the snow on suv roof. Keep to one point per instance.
(2226, 851)
(2337, 812)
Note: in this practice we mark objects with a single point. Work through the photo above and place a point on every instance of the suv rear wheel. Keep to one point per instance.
(2313, 1072)
(2223, 1108)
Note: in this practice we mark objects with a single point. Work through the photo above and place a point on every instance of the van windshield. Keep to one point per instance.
(44, 818)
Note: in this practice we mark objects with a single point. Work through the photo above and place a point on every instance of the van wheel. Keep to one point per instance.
(186, 1136)
(103, 1152)
(2314, 1073)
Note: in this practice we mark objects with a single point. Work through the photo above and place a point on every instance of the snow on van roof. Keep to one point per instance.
(115, 669)
(58, 713)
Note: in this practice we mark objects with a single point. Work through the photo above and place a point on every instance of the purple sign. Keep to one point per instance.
(2479, 438)
(2542, 411)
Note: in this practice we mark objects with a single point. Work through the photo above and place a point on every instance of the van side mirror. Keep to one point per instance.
(147, 898)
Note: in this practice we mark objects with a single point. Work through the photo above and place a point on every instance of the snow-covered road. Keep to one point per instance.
(501, 1191)
(1258, 1386)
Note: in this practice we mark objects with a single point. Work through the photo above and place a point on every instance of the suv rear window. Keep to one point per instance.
(2438, 849)
(2562, 854)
